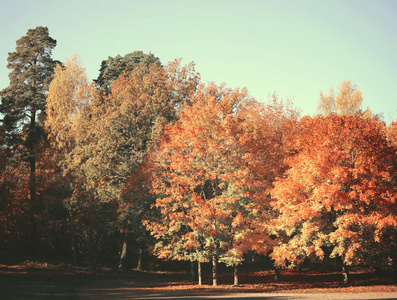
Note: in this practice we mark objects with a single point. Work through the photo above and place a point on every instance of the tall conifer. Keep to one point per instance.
(23, 101)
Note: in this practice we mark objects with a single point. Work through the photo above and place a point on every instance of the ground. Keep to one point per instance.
(48, 282)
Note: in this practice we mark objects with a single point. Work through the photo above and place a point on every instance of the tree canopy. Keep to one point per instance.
(113, 67)
(347, 102)
(338, 197)
(149, 159)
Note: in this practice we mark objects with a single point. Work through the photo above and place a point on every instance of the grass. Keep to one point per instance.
(45, 281)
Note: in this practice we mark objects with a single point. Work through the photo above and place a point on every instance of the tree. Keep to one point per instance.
(200, 203)
(66, 100)
(113, 67)
(347, 102)
(177, 89)
(107, 135)
(148, 99)
(69, 97)
(134, 207)
(23, 102)
(337, 200)
(390, 233)
(213, 171)
(16, 218)
(117, 130)
(51, 217)
(3, 152)
(267, 130)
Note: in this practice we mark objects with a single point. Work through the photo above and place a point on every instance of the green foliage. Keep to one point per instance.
(31, 68)
(23, 102)
(113, 67)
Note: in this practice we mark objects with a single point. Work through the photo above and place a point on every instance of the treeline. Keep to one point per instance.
(147, 158)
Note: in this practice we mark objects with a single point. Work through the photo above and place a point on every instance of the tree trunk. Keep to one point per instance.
(94, 251)
(193, 271)
(214, 271)
(378, 270)
(140, 257)
(235, 275)
(33, 178)
(346, 275)
(32, 159)
(73, 243)
(199, 275)
(276, 274)
(124, 249)
(74, 250)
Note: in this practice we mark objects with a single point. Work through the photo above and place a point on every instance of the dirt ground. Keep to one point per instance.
(21, 282)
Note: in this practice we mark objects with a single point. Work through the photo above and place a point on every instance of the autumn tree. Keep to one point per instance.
(116, 130)
(52, 218)
(149, 100)
(68, 99)
(135, 204)
(109, 134)
(201, 180)
(16, 217)
(23, 101)
(390, 236)
(177, 84)
(347, 102)
(264, 140)
(337, 199)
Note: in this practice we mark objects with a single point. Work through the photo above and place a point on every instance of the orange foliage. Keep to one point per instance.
(339, 192)
(214, 167)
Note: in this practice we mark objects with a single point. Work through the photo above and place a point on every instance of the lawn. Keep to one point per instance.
(49, 282)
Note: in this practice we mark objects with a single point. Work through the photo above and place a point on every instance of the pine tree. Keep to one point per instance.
(23, 101)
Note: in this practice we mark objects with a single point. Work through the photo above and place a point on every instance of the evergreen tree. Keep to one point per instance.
(113, 67)
(23, 101)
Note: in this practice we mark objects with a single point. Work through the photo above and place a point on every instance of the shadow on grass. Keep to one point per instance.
(32, 283)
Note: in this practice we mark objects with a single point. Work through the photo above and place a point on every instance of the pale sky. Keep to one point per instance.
(294, 48)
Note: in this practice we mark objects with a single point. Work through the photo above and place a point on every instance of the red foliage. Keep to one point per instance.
(339, 195)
